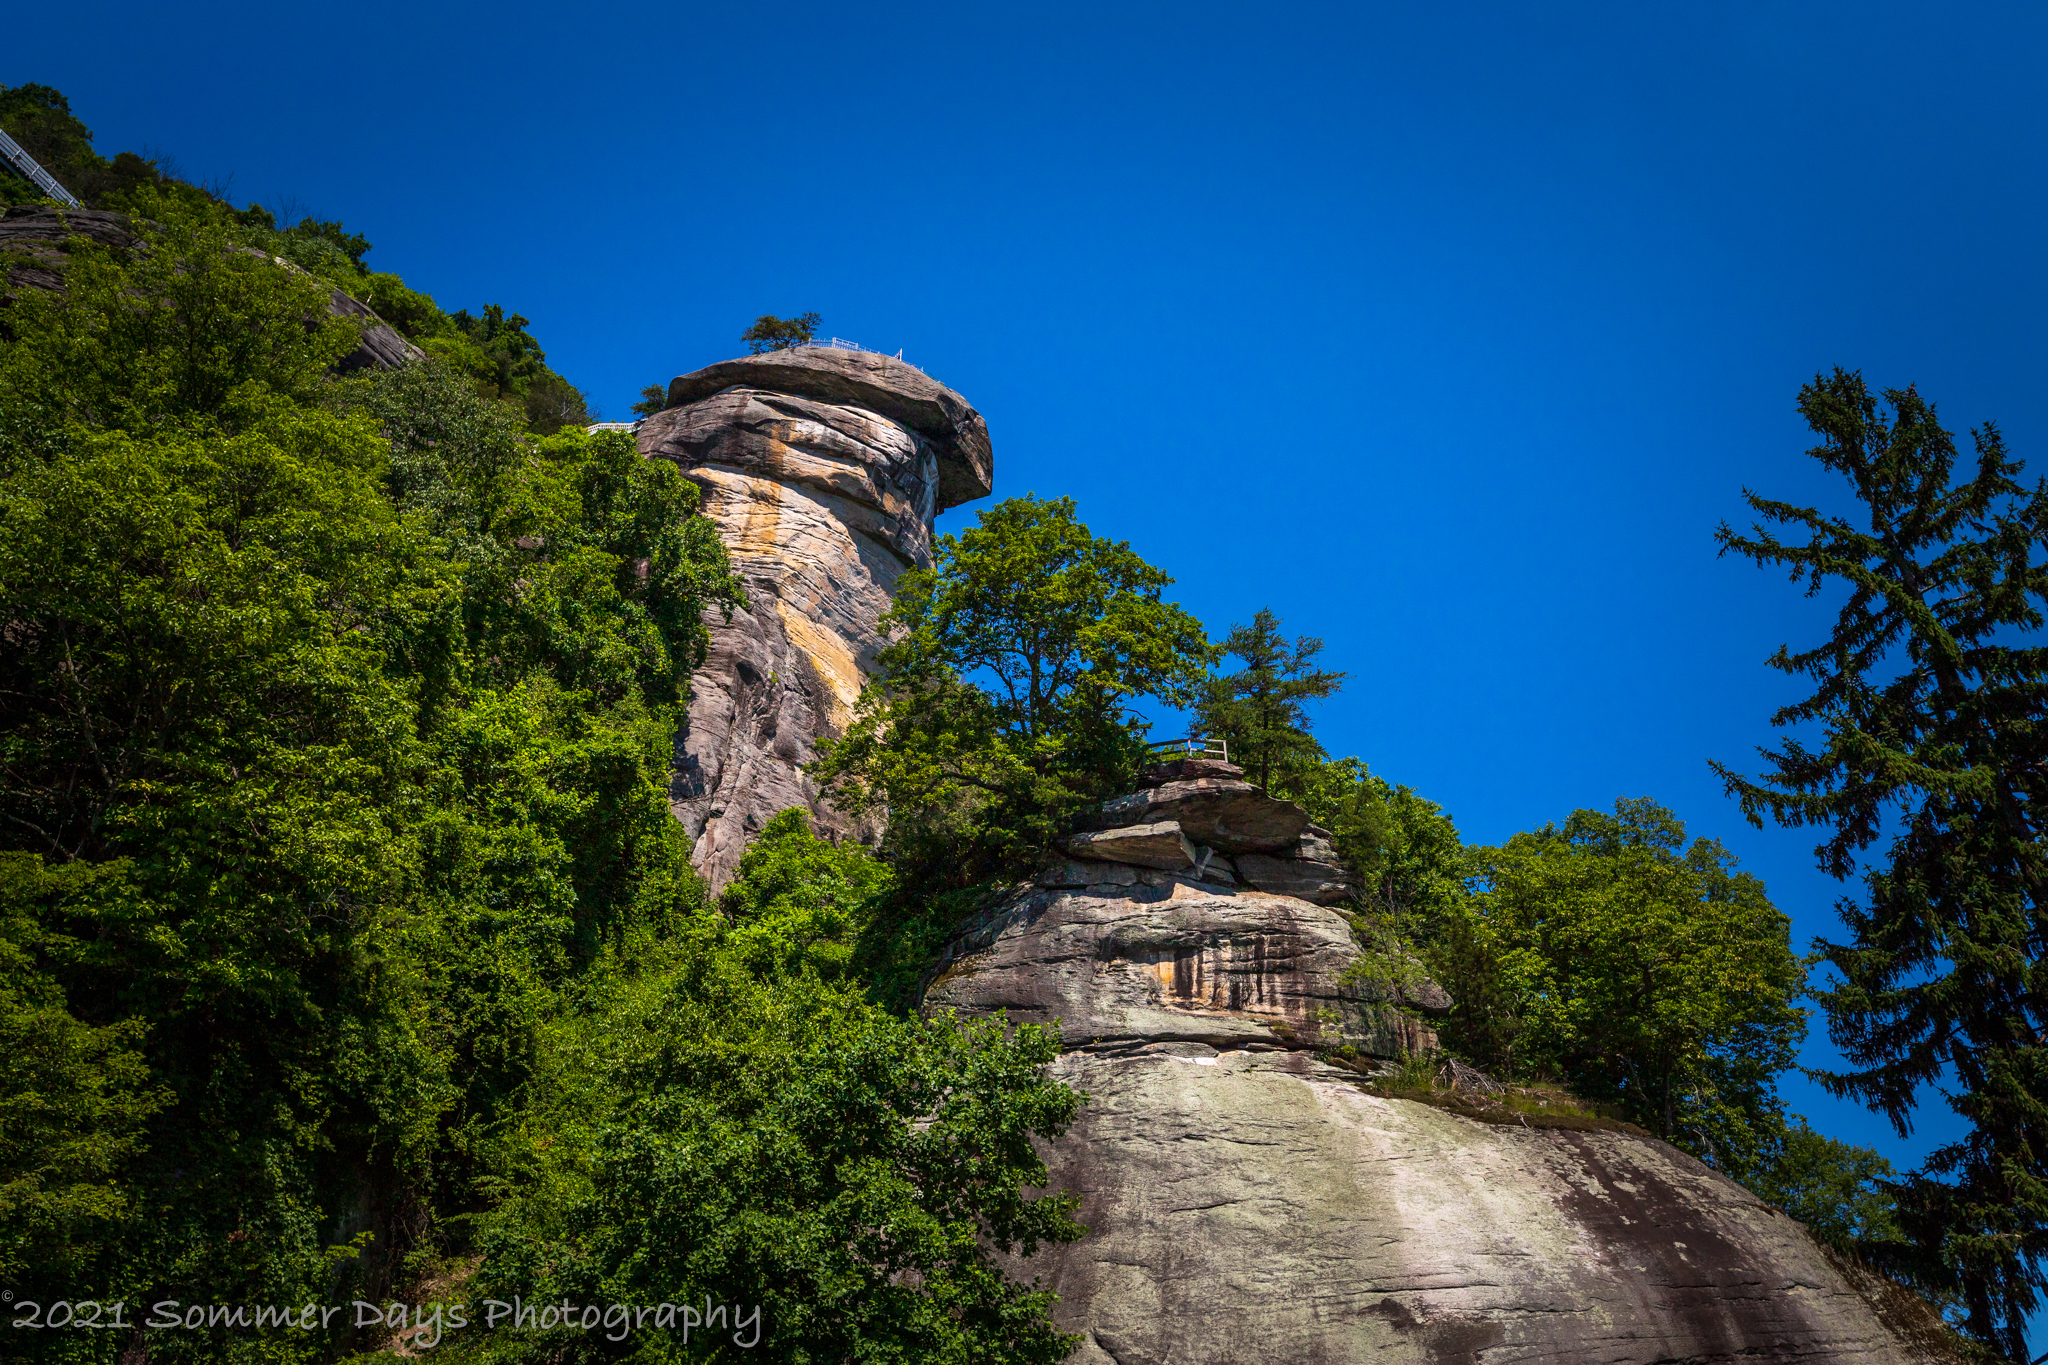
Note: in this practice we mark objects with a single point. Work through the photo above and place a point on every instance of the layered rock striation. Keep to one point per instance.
(823, 470)
(1233, 832)
(1250, 1198)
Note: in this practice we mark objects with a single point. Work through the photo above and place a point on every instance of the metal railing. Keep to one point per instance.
(1190, 746)
(28, 166)
(842, 344)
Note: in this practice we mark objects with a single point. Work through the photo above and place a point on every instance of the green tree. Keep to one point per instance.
(771, 333)
(1402, 848)
(1639, 971)
(1927, 706)
(653, 399)
(1004, 704)
(1841, 1191)
(190, 332)
(1261, 710)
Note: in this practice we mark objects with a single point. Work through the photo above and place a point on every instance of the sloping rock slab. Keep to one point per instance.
(1231, 816)
(1162, 846)
(1171, 962)
(1259, 1206)
(1312, 880)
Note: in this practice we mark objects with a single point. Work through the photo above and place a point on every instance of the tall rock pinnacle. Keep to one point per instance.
(823, 470)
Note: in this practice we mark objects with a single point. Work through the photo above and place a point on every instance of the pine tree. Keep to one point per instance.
(1928, 702)
(1261, 711)
(653, 399)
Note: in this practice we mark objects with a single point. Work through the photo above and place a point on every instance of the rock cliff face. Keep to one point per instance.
(1249, 1202)
(823, 470)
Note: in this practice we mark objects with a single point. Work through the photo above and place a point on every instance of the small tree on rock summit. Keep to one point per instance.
(771, 333)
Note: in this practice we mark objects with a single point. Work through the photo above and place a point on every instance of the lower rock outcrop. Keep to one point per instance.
(1247, 1199)
(1151, 957)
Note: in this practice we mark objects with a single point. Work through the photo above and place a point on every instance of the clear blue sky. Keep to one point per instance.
(1448, 331)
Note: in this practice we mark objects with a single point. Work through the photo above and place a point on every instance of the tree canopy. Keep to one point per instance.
(1004, 704)
(771, 333)
(1638, 970)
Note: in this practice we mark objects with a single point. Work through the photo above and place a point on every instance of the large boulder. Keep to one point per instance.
(1325, 883)
(883, 385)
(1222, 812)
(1187, 770)
(1255, 1205)
(1161, 846)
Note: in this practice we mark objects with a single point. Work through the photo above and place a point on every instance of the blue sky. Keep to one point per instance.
(1450, 332)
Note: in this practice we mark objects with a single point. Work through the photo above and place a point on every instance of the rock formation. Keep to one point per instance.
(823, 470)
(1250, 1200)
(1249, 1197)
(32, 256)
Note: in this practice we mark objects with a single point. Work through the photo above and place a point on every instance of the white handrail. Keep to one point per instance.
(26, 164)
(842, 344)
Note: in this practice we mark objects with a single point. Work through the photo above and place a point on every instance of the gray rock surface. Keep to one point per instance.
(1170, 959)
(1249, 1202)
(31, 253)
(1226, 814)
(1325, 883)
(1187, 770)
(823, 471)
(1260, 1206)
(1161, 846)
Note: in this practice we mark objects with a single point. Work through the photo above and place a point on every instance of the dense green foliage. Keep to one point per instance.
(735, 1120)
(1261, 710)
(1928, 701)
(1641, 972)
(40, 119)
(1842, 1192)
(771, 333)
(336, 722)
(1004, 707)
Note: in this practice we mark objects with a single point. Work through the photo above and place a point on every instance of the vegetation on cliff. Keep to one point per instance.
(492, 350)
(347, 947)
(1004, 709)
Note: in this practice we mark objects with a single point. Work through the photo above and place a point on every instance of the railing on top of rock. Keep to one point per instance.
(842, 344)
(1190, 746)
